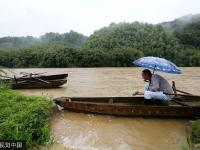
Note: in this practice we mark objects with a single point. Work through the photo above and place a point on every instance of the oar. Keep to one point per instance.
(191, 95)
(181, 103)
(30, 76)
(176, 90)
(184, 92)
(171, 94)
(178, 102)
(34, 78)
(41, 80)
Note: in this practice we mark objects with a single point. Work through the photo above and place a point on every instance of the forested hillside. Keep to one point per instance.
(146, 38)
(114, 45)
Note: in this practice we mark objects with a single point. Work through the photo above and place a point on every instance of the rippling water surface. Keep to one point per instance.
(89, 131)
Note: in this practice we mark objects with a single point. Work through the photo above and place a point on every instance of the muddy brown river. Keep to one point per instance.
(97, 132)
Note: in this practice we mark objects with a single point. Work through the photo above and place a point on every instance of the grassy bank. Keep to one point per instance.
(194, 135)
(24, 117)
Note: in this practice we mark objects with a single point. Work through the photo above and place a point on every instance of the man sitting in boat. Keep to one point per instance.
(158, 88)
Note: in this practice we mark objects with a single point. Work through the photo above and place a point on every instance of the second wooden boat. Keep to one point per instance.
(33, 84)
(37, 81)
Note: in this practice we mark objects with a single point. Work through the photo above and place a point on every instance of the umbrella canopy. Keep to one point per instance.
(159, 64)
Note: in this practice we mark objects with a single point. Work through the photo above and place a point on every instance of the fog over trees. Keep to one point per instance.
(116, 45)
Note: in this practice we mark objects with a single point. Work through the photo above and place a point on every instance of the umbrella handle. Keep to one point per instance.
(154, 69)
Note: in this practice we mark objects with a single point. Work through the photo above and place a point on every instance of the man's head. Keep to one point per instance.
(146, 74)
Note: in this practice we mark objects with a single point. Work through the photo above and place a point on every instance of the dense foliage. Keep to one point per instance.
(24, 117)
(115, 45)
(149, 39)
(53, 55)
(190, 35)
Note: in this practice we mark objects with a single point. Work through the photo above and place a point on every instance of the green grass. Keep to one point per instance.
(193, 138)
(195, 132)
(24, 117)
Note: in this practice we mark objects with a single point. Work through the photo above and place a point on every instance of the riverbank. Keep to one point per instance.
(194, 135)
(24, 118)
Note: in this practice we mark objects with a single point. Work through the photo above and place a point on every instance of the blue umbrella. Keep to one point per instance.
(159, 64)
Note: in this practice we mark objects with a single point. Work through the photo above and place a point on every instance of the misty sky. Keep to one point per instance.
(36, 17)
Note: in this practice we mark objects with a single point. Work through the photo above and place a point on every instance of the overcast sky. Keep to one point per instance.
(36, 17)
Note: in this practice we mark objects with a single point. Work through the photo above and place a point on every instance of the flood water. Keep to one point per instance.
(98, 132)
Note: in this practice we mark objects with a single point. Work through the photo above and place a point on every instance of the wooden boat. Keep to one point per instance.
(36, 81)
(180, 106)
(32, 84)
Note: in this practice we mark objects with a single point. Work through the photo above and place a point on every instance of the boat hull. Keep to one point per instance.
(36, 84)
(129, 106)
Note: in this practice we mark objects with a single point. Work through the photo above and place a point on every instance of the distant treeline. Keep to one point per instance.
(56, 55)
(72, 39)
(115, 45)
